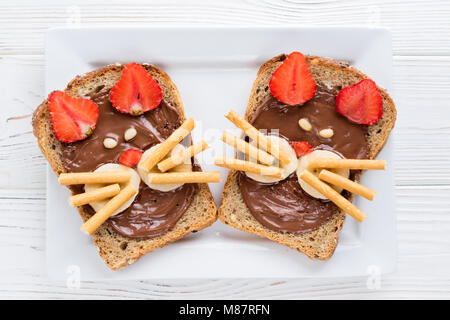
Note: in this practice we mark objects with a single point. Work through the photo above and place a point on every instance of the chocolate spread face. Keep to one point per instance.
(153, 212)
(284, 206)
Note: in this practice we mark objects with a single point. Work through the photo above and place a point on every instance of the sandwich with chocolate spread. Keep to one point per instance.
(115, 137)
(328, 121)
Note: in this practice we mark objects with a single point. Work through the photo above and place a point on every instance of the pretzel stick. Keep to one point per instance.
(94, 177)
(332, 195)
(247, 148)
(108, 209)
(164, 148)
(262, 140)
(248, 166)
(181, 156)
(184, 177)
(347, 164)
(346, 184)
(94, 195)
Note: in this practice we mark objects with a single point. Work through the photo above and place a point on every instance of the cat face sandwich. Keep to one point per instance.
(119, 139)
(311, 126)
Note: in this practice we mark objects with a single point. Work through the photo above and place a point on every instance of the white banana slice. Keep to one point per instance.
(143, 172)
(287, 168)
(303, 164)
(135, 181)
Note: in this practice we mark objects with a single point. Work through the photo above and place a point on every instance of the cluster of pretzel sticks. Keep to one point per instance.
(325, 175)
(157, 156)
(118, 196)
(264, 152)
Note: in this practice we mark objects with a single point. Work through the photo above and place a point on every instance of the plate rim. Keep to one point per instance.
(258, 28)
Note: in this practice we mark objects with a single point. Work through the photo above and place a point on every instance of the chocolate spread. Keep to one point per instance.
(153, 212)
(284, 206)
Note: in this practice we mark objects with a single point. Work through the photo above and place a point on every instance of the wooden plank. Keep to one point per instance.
(21, 91)
(418, 27)
(421, 134)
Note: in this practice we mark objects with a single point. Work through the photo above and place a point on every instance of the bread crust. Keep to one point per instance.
(320, 243)
(116, 250)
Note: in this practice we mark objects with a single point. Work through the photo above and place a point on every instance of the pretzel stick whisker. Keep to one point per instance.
(355, 164)
(242, 165)
(332, 195)
(261, 139)
(108, 209)
(248, 149)
(94, 195)
(347, 184)
(179, 157)
(164, 148)
(94, 177)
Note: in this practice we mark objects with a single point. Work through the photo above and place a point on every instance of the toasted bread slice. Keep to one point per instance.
(319, 243)
(116, 250)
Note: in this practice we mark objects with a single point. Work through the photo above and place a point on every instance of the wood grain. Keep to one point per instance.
(421, 43)
(418, 27)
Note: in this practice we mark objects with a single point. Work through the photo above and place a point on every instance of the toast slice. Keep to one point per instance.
(320, 243)
(116, 250)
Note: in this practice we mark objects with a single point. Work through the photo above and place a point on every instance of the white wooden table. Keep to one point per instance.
(421, 47)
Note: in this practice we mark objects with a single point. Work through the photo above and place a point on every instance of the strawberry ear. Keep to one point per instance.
(361, 103)
(292, 83)
(73, 119)
(136, 91)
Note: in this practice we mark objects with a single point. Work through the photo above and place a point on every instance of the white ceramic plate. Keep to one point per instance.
(214, 69)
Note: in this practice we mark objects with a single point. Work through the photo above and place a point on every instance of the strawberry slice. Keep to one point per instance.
(361, 103)
(73, 119)
(136, 91)
(130, 157)
(301, 148)
(292, 83)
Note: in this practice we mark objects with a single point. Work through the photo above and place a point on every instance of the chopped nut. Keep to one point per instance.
(130, 134)
(326, 133)
(304, 124)
(315, 61)
(109, 143)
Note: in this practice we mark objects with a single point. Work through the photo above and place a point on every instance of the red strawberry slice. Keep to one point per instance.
(301, 148)
(130, 157)
(136, 92)
(73, 119)
(361, 103)
(292, 83)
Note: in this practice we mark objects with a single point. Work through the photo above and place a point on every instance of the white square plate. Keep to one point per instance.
(214, 69)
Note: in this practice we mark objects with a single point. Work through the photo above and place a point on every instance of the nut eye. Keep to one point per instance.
(305, 124)
(130, 134)
(109, 143)
(326, 133)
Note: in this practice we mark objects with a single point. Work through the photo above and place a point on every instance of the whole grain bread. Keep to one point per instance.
(319, 243)
(116, 250)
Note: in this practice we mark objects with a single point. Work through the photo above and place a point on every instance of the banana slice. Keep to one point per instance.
(287, 168)
(303, 164)
(135, 181)
(143, 172)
